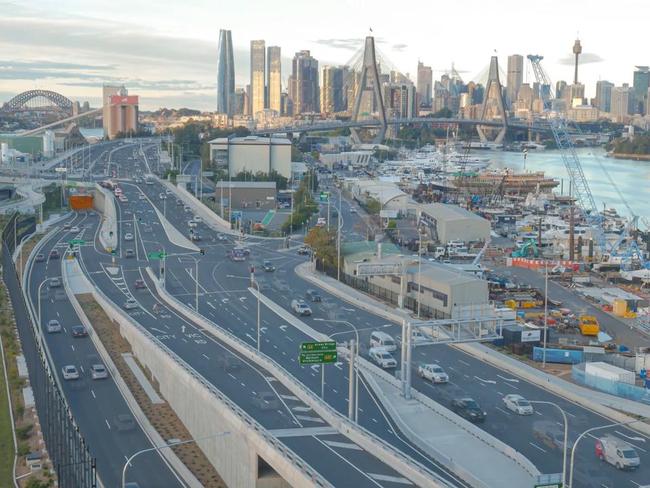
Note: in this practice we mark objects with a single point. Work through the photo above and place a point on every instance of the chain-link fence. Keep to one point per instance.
(72, 462)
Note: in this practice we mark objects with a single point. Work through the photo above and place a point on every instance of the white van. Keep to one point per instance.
(617, 452)
(383, 340)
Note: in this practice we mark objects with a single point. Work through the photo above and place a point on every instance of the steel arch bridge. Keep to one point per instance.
(39, 101)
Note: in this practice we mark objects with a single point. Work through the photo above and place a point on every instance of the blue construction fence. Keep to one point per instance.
(623, 390)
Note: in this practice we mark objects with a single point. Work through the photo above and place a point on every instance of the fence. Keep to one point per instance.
(617, 388)
(72, 462)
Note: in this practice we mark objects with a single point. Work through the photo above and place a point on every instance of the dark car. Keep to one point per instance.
(78, 331)
(54, 254)
(40, 258)
(139, 285)
(313, 295)
(268, 266)
(129, 253)
(468, 409)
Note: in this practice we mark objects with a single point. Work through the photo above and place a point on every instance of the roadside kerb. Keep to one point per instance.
(152, 352)
(156, 440)
(408, 467)
(109, 221)
(558, 386)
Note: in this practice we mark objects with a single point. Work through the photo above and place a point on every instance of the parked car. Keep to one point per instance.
(139, 285)
(40, 257)
(300, 307)
(266, 400)
(53, 326)
(268, 266)
(468, 409)
(78, 331)
(70, 372)
(382, 357)
(433, 373)
(313, 295)
(617, 452)
(129, 253)
(383, 340)
(54, 254)
(54, 283)
(130, 304)
(98, 372)
(518, 404)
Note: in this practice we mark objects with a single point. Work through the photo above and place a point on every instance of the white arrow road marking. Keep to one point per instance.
(512, 380)
(251, 337)
(344, 445)
(492, 382)
(318, 420)
(392, 479)
(315, 367)
(263, 329)
(225, 300)
(283, 327)
(289, 397)
(301, 409)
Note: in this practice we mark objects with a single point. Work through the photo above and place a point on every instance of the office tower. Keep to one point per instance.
(274, 78)
(424, 84)
(620, 102)
(332, 92)
(604, 95)
(641, 83)
(303, 84)
(576, 95)
(399, 99)
(515, 77)
(352, 86)
(257, 89)
(225, 74)
(577, 51)
(560, 87)
(120, 112)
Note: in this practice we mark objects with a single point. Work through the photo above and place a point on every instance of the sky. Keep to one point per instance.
(165, 50)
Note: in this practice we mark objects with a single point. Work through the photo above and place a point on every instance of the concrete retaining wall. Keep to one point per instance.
(199, 208)
(104, 202)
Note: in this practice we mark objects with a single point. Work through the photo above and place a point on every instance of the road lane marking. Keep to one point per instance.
(206, 357)
(537, 447)
(512, 380)
(492, 382)
(391, 479)
(93, 394)
(107, 424)
(343, 445)
(464, 362)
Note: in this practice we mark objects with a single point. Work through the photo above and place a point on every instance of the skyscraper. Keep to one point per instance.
(303, 84)
(424, 84)
(274, 78)
(604, 95)
(332, 92)
(257, 93)
(225, 74)
(515, 77)
(620, 102)
(641, 82)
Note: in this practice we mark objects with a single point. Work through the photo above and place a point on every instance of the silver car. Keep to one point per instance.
(98, 372)
(53, 326)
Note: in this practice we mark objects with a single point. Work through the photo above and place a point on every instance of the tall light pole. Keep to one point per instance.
(39, 299)
(338, 242)
(545, 311)
(158, 448)
(575, 444)
(566, 434)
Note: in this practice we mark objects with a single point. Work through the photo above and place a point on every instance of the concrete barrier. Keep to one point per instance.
(104, 202)
(199, 208)
(368, 441)
(203, 409)
(156, 440)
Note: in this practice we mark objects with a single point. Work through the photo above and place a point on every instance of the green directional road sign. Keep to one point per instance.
(318, 357)
(75, 242)
(327, 346)
(324, 196)
(157, 255)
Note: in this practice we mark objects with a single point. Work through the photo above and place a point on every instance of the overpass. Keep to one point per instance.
(32, 132)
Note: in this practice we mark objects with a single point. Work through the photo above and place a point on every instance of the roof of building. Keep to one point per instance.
(448, 212)
(360, 250)
(384, 191)
(250, 140)
(246, 184)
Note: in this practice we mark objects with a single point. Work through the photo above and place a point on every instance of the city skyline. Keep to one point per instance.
(173, 62)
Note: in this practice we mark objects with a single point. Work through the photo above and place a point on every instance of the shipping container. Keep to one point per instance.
(610, 372)
(563, 356)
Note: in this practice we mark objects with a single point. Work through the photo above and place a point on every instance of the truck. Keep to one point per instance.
(588, 325)
(617, 452)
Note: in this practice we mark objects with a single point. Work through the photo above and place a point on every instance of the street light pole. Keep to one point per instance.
(39, 299)
(545, 311)
(566, 434)
(196, 290)
(338, 243)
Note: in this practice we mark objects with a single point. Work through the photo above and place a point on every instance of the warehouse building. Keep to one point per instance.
(447, 223)
(386, 193)
(442, 290)
(252, 154)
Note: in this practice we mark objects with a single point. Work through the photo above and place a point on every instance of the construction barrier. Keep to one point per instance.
(539, 264)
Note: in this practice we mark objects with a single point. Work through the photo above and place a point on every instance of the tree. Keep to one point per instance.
(323, 242)
(373, 206)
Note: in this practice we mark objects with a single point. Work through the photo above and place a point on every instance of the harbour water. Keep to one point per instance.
(631, 177)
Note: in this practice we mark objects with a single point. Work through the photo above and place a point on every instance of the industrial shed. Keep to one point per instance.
(451, 222)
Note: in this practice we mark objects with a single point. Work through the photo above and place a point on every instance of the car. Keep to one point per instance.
(54, 283)
(353, 210)
(129, 253)
(303, 251)
(40, 257)
(518, 404)
(266, 400)
(417, 338)
(222, 237)
(123, 199)
(70, 372)
(300, 307)
(74, 229)
(382, 357)
(268, 266)
(469, 409)
(55, 254)
(139, 285)
(67, 226)
(125, 422)
(179, 202)
(382, 340)
(98, 372)
(195, 236)
(191, 224)
(433, 373)
(168, 191)
(549, 434)
(313, 296)
(78, 331)
(142, 196)
(162, 196)
(187, 208)
(53, 326)
(130, 304)
(128, 236)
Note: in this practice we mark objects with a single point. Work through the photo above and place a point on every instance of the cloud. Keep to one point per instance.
(585, 58)
(399, 47)
(350, 43)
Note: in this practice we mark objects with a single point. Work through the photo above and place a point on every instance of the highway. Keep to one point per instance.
(95, 404)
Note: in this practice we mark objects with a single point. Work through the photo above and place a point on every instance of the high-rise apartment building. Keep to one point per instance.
(333, 97)
(120, 112)
(424, 84)
(515, 77)
(641, 83)
(399, 99)
(620, 102)
(225, 74)
(560, 87)
(304, 88)
(604, 95)
(257, 88)
(274, 78)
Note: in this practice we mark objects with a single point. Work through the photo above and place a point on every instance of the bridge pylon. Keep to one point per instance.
(493, 101)
(369, 81)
